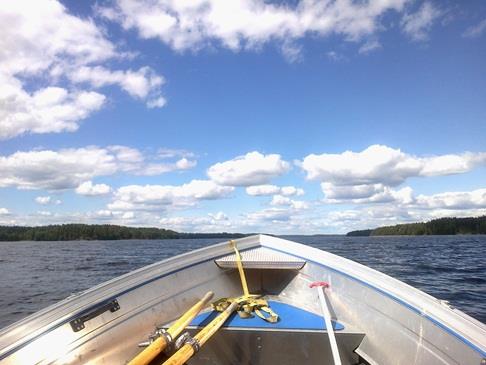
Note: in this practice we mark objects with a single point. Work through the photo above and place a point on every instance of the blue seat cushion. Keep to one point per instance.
(290, 317)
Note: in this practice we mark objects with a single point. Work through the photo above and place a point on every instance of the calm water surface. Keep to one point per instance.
(34, 275)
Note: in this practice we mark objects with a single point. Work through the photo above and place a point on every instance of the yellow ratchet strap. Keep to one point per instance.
(247, 303)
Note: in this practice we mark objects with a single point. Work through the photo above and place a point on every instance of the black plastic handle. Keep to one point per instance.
(78, 323)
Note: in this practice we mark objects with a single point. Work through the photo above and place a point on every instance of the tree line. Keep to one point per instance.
(441, 226)
(70, 232)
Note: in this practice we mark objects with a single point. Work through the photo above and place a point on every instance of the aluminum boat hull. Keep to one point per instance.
(385, 321)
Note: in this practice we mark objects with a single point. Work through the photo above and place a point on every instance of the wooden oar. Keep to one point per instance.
(191, 347)
(320, 285)
(156, 347)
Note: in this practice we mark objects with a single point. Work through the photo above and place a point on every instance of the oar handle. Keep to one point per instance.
(156, 347)
(189, 349)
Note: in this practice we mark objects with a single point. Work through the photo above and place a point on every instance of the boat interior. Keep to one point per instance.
(109, 323)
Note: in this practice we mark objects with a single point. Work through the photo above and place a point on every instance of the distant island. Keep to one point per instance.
(441, 226)
(72, 232)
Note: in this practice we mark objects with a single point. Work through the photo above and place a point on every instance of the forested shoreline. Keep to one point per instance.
(72, 232)
(441, 226)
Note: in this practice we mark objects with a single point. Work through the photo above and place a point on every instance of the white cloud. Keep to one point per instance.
(462, 200)
(46, 200)
(292, 52)
(160, 197)
(44, 213)
(336, 192)
(4, 211)
(369, 47)
(219, 216)
(248, 23)
(280, 200)
(265, 190)
(335, 56)
(128, 215)
(269, 215)
(68, 168)
(366, 194)
(217, 222)
(142, 84)
(104, 213)
(41, 47)
(476, 30)
(43, 200)
(424, 208)
(164, 153)
(291, 191)
(157, 102)
(89, 189)
(253, 168)
(160, 168)
(47, 110)
(40, 35)
(55, 169)
(262, 190)
(417, 25)
(379, 164)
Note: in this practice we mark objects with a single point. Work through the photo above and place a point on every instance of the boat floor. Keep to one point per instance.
(299, 336)
(290, 318)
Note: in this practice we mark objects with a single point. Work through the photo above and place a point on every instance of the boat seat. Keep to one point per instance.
(262, 258)
(290, 318)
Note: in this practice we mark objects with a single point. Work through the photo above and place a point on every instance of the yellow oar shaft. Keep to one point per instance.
(179, 325)
(156, 347)
(239, 264)
(186, 351)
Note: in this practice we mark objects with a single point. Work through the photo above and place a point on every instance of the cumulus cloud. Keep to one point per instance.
(160, 197)
(417, 25)
(269, 215)
(46, 200)
(422, 208)
(4, 211)
(361, 194)
(394, 207)
(248, 23)
(41, 41)
(43, 200)
(160, 168)
(379, 164)
(265, 190)
(280, 200)
(253, 168)
(262, 190)
(372, 175)
(68, 168)
(47, 110)
(128, 215)
(453, 200)
(89, 189)
(213, 222)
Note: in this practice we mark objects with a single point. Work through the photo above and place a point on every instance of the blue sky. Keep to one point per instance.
(244, 116)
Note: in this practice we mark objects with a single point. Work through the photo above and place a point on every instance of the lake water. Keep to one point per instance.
(34, 275)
